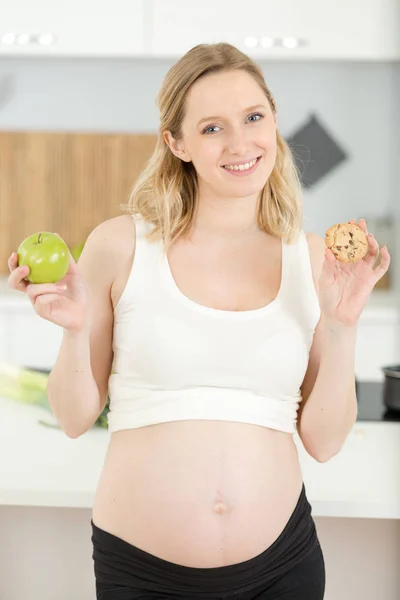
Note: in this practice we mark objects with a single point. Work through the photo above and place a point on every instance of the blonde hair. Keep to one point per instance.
(165, 193)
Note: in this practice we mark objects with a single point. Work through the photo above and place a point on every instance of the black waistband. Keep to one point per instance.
(116, 562)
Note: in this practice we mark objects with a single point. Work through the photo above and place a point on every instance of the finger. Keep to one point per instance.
(362, 223)
(329, 267)
(373, 250)
(38, 289)
(383, 266)
(16, 280)
(46, 299)
(12, 261)
(43, 305)
(345, 267)
(330, 258)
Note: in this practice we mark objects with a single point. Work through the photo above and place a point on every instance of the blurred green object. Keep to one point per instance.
(76, 251)
(30, 386)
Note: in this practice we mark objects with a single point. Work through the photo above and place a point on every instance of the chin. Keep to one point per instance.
(247, 188)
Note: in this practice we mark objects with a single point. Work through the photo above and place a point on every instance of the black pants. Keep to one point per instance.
(292, 568)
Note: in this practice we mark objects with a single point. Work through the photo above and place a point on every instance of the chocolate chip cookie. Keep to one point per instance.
(347, 241)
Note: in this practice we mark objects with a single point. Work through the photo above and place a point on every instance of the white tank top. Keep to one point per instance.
(177, 360)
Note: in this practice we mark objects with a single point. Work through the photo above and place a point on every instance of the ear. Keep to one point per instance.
(274, 111)
(176, 147)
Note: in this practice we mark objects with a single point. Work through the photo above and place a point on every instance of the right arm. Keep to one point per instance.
(76, 395)
(78, 383)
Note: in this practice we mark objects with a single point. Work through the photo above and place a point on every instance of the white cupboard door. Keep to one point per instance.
(3, 343)
(280, 29)
(32, 341)
(377, 346)
(91, 28)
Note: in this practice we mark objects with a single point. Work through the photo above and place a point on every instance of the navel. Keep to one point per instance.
(220, 507)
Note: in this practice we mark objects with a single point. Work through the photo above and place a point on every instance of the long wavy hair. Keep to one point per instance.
(165, 193)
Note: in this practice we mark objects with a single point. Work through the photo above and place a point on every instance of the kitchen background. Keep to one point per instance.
(89, 92)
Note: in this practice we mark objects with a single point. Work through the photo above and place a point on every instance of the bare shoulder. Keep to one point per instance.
(113, 239)
(116, 233)
(316, 246)
(108, 251)
(117, 237)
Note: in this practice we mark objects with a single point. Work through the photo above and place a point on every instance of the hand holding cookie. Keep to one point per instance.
(349, 273)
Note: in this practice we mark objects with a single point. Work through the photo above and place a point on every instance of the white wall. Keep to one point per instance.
(48, 556)
(356, 102)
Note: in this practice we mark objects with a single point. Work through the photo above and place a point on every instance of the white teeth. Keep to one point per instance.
(243, 167)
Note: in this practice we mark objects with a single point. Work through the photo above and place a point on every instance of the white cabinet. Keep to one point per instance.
(2, 336)
(91, 28)
(26, 339)
(363, 480)
(329, 29)
(33, 342)
(325, 29)
(378, 342)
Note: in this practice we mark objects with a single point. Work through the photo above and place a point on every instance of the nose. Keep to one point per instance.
(237, 142)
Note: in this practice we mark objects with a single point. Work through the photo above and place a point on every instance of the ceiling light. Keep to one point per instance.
(8, 38)
(251, 41)
(46, 39)
(23, 38)
(290, 42)
(267, 42)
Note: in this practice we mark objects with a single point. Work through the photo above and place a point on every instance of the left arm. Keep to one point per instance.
(329, 407)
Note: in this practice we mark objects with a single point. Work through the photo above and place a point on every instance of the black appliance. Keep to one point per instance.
(371, 402)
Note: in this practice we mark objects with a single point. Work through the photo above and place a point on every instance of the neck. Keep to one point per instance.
(231, 218)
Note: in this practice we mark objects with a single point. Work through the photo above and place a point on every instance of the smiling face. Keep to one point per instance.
(229, 134)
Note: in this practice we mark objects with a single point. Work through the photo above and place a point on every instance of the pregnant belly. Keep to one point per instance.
(199, 493)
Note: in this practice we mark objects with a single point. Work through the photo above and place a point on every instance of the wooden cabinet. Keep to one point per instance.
(72, 182)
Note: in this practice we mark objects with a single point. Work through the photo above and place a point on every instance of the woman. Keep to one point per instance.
(214, 352)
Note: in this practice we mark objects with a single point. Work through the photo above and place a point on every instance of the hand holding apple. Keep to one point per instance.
(63, 298)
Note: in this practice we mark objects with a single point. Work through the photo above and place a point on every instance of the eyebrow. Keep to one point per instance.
(214, 118)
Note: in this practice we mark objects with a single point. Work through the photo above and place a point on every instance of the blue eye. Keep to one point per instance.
(208, 129)
(259, 115)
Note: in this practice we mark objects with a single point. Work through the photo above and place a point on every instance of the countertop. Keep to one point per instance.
(41, 466)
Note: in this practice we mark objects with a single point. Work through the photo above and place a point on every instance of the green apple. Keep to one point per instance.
(46, 255)
(76, 251)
